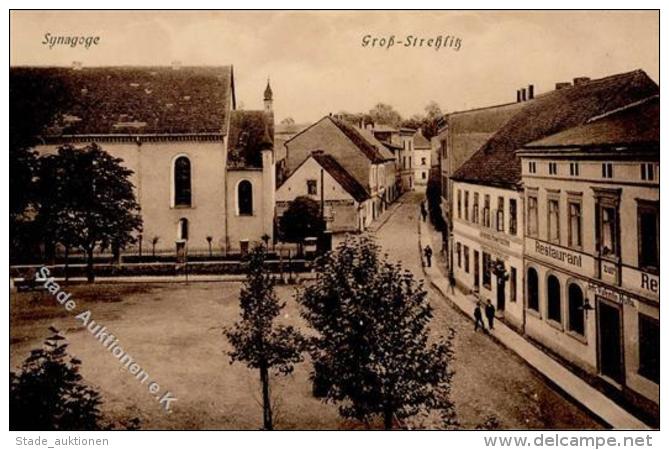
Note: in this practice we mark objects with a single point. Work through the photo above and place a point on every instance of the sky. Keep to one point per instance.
(318, 64)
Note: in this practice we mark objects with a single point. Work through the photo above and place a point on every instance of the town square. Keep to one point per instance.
(352, 220)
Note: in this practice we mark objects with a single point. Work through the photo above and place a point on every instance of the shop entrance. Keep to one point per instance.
(610, 341)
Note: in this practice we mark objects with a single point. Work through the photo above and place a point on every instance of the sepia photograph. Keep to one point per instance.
(347, 220)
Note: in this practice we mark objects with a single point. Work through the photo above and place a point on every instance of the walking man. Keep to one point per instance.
(490, 314)
(451, 281)
(428, 256)
(478, 317)
(423, 211)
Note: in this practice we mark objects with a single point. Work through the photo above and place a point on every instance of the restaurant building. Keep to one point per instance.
(592, 254)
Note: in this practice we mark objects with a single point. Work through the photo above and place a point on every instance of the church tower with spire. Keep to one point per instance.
(268, 98)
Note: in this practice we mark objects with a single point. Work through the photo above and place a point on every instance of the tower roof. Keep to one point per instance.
(268, 91)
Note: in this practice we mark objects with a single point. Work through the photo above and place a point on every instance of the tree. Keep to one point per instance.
(385, 114)
(30, 115)
(415, 122)
(288, 121)
(302, 219)
(433, 194)
(49, 393)
(433, 116)
(428, 122)
(371, 353)
(87, 201)
(255, 339)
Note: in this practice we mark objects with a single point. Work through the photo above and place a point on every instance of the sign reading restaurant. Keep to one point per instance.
(560, 254)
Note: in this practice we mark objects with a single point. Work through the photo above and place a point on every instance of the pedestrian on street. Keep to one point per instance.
(451, 281)
(423, 211)
(478, 317)
(490, 314)
(428, 256)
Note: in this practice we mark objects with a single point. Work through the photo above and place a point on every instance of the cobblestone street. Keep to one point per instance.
(490, 382)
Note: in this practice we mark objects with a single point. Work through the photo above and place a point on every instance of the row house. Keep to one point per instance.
(460, 135)
(493, 257)
(592, 251)
(345, 202)
(362, 156)
(422, 155)
(400, 141)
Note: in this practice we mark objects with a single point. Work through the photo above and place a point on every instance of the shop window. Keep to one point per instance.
(554, 300)
(576, 312)
(466, 253)
(532, 289)
(649, 348)
(513, 285)
(486, 270)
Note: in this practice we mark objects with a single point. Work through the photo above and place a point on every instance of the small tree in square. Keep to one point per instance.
(49, 393)
(256, 340)
(87, 200)
(301, 220)
(372, 354)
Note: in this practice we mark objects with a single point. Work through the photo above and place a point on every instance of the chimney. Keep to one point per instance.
(530, 92)
(562, 85)
(578, 81)
(523, 94)
(518, 96)
(77, 65)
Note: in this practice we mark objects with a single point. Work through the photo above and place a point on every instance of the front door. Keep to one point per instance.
(610, 342)
(501, 300)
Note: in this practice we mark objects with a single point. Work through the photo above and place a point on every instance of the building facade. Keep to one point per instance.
(592, 247)
(346, 205)
(587, 191)
(366, 160)
(487, 245)
(202, 170)
(422, 159)
(406, 158)
(460, 135)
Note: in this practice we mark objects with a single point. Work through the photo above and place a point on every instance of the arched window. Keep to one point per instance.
(532, 289)
(245, 198)
(576, 321)
(183, 229)
(182, 189)
(554, 306)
